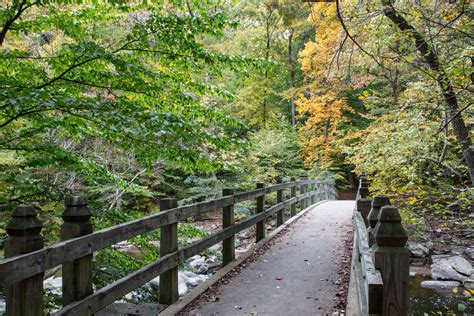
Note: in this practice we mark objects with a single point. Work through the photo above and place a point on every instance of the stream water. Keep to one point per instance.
(429, 302)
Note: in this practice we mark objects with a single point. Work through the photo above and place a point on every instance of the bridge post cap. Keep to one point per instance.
(364, 203)
(377, 203)
(24, 222)
(389, 231)
(260, 185)
(380, 200)
(303, 174)
(390, 214)
(76, 209)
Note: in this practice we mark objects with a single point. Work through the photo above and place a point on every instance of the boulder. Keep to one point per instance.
(155, 283)
(418, 250)
(451, 268)
(53, 285)
(468, 284)
(3, 306)
(443, 286)
(195, 264)
(192, 279)
(193, 258)
(182, 287)
(202, 269)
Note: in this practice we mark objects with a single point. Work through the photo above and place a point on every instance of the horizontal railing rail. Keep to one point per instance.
(78, 250)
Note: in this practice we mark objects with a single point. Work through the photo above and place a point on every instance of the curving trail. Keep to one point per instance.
(297, 275)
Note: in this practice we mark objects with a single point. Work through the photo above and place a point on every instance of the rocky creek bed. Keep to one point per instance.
(441, 282)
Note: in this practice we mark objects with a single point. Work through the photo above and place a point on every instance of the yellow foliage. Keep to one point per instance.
(322, 109)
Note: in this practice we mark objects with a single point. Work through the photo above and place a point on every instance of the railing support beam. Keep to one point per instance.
(279, 200)
(293, 194)
(169, 244)
(260, 226)
(25, 297)
(392, 258)
(77, 274)
(228, 245)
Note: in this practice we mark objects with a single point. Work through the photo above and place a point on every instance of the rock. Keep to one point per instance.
(468, 284)
(418, 250)
(192, 279)
(440, 285)
(155, 283)
(193, 258)
(216, 247)
(203, 268)
(195, 264)
(2, 306)
(237, 243)
(470, 253)
(245, 235)
(182, 287)
(53, 285)
(451, 268)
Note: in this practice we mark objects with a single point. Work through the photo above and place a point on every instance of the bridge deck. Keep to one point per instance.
(297, 275)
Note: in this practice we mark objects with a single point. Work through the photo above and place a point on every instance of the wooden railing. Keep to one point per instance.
(21, 273)
(380, 261)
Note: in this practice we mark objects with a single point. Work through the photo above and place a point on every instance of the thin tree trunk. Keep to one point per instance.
(292, 77)
(431, 58)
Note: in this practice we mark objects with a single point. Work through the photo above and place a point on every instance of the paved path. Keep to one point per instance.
(297, 275)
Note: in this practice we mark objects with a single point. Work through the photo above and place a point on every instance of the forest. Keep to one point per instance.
(126, 102)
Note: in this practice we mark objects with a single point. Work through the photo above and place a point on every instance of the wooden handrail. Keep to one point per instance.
(22, 267)
(380, 259)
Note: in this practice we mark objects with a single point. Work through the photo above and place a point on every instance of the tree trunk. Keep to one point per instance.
(292, 77)
(431, 58)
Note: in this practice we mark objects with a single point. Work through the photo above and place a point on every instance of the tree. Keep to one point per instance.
(129, 76)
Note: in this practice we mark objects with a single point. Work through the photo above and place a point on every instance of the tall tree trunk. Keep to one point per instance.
(292, 77)
(431, 58)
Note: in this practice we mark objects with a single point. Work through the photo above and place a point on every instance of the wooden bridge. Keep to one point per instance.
(378, 286)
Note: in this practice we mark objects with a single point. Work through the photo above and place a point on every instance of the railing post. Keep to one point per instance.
(169, 244)
(279, 200)
(293, 194)
(260, 226)
(228, 244)
(25, 297)
(77, 274)
(392, 259)
(363, 190)
(303, 189)
(363, 206)
(313, 195)
(377, 203)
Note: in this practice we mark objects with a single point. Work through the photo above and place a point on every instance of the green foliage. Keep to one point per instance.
(274, 152)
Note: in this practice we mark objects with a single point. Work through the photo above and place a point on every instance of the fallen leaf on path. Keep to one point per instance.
(278, 278)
